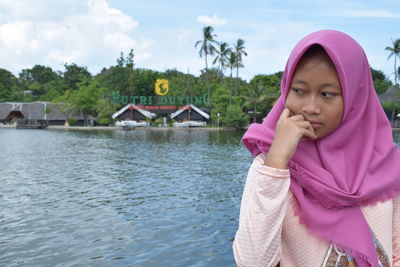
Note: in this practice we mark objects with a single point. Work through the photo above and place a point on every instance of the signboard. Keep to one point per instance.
(161, 88)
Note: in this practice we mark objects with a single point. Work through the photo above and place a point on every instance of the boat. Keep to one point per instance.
(190, 124)
(131, 124)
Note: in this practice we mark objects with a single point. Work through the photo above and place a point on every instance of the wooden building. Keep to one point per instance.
(40, 113)
(190, 116)
(133, 113)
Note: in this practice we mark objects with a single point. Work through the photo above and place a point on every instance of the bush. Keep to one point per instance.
(171, 122)
(72, 121)
(391, 109)
(235, 117)
(158, 121)
(149, 120)
(104, 121)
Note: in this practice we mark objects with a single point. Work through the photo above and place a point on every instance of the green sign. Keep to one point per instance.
(116, 97)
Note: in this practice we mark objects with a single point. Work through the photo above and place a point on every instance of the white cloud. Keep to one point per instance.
(39, 10)
(376, 13)
(354, 9)
(92, 33)
(268, 45)
(93, 37)
(211, 21)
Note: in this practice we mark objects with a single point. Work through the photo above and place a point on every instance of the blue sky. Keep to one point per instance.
(162, 33)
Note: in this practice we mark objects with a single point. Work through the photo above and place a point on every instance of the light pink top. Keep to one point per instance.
(269, 232)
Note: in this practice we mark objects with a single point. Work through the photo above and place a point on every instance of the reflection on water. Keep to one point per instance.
(120, 198)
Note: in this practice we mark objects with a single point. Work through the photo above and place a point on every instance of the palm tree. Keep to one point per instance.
(239, 51)
(231, 65)
(256, 95)
(394, 51)
(222, 56)
(207, 47)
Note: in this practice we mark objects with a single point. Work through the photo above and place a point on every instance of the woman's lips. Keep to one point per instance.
(315, 125)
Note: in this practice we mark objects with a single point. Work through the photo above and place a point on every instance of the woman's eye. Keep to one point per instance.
(327, 94)
(298, 91)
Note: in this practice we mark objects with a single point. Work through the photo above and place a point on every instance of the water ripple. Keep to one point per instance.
(119, 198)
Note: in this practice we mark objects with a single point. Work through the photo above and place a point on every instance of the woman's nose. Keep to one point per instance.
(311, 106)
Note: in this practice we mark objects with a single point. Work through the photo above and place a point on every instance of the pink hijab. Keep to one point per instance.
(357, 164)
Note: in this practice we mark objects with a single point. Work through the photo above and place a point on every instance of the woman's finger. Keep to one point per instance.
(285, 114)
(307, 134)
(306, 125)
(297, 118)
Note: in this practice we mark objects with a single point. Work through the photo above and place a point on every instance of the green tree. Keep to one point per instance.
(104, 110)
(239, 52)
(256, 95)
(222, 57)
(235, 117)
(180, 83)
(54, 89)
(129, 60)
(381, 82)
(38, 80)
(268, 81)
(214, 77)
(391, 109)
(63, 104)
(207, 47)
(145, 80)
(38, 73)
(231, 65)
(394, 52)
(85, 98)
(75, 74)
(8, 86)
(121, 60)
(129, 65)
(116, 78)
(119, 78)
(271, 83)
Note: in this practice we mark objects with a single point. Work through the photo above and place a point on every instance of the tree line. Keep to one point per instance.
(234, 101)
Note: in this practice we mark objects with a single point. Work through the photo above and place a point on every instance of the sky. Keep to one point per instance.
(162, 33)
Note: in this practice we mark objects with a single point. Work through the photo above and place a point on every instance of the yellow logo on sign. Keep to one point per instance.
(162, 86)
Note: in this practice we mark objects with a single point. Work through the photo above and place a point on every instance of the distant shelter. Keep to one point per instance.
(42, 112)
(133, 112)
(190, 113)
(140, 113)
(392, 95)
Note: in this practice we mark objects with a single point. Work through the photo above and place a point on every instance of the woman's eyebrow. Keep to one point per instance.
(332, 85)
(299, 81)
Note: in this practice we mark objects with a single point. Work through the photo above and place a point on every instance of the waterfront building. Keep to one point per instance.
(41, 114)
(190, 116)
(137, 115)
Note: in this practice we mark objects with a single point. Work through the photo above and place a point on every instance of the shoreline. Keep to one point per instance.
(95, 128)
(90, 128)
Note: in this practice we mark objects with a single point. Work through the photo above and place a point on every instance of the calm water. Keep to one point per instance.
(120, 198)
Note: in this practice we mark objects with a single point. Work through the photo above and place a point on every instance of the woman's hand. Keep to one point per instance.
(289, 132)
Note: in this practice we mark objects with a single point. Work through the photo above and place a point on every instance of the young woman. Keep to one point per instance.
(323, 187)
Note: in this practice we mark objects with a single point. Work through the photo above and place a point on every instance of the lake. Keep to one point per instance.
(120, 198)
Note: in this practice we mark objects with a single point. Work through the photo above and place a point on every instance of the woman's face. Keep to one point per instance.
(316, 93)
